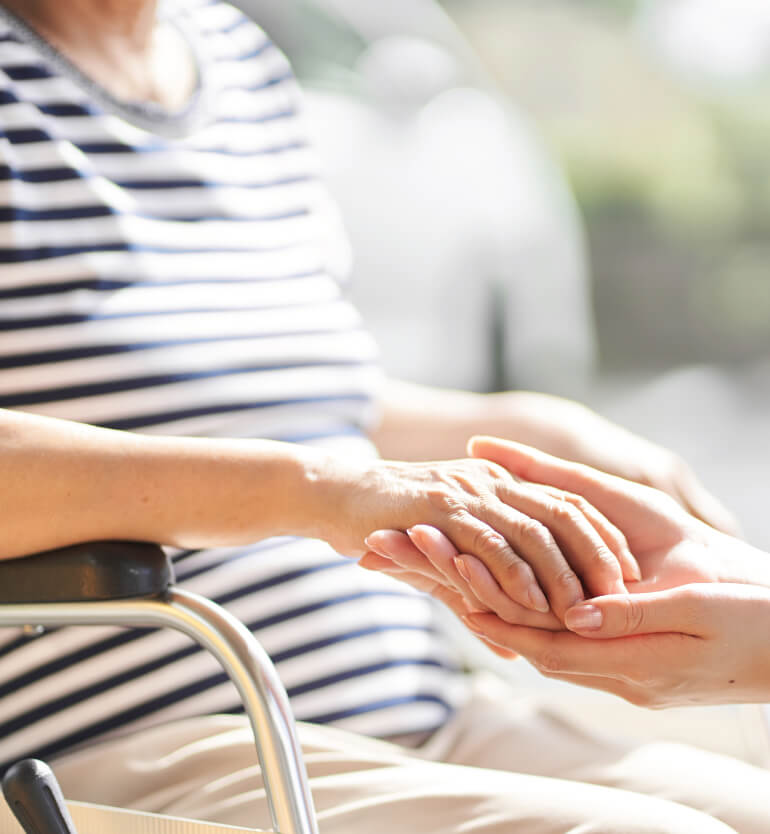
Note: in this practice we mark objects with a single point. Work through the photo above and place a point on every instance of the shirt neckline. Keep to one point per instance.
(146, 115)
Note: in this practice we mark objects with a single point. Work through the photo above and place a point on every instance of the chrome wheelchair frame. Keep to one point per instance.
(132, 584)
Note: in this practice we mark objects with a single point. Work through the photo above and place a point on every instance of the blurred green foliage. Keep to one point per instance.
(673, 180)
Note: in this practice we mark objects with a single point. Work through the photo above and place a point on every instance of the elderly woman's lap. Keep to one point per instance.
(205, 768)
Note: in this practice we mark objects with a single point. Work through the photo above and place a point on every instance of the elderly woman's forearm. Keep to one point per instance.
(63, 482)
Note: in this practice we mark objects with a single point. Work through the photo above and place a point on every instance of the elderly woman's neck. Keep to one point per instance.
(116, 43)
(78, 22)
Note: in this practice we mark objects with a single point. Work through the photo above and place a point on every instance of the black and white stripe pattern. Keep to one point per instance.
(187, 279)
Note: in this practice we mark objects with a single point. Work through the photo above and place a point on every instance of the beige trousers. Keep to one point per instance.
(503, 764)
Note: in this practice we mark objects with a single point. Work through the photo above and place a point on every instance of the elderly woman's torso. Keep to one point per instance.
(180, 272)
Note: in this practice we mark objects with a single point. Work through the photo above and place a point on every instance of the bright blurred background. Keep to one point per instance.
(569, 196)
(659, 112)
(563, 195)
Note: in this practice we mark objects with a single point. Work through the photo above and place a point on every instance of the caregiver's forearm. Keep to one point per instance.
(420, 422)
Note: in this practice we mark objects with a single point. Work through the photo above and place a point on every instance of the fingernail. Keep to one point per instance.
(537, 600)
(583, 618)
(462, 568)
(471, 623)
(376, 548)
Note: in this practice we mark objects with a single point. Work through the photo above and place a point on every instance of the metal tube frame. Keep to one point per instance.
(244, 660)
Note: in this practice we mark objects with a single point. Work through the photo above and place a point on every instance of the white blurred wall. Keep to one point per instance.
(469, 263)
(469, 260)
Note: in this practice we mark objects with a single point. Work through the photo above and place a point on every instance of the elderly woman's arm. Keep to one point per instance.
(63, 482)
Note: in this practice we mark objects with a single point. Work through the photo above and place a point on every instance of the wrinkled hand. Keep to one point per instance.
(531, 537)
(670, 545)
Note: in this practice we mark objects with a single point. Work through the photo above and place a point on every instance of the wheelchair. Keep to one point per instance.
(132, 584)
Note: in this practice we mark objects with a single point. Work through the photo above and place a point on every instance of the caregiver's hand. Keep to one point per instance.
(696, 644)
(531, 538)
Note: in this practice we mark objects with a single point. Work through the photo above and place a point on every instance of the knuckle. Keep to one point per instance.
(516, 575)
(579, 502)
(564, 512)
(485, 505)
(564, 579)
(533, 532)
(603, 560)
(443, 499)
(487, 541)
(549, 662)
(581, 508)
(633, 615)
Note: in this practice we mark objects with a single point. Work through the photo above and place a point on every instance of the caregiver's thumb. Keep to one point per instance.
(675, 610)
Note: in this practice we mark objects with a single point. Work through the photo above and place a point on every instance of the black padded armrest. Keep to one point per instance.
(86, 572)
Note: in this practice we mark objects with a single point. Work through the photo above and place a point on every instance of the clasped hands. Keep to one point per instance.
(653, 605)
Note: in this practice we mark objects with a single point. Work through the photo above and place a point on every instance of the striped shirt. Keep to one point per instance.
(183, 273)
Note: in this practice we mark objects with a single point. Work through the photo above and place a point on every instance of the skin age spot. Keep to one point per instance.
(732, 681)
